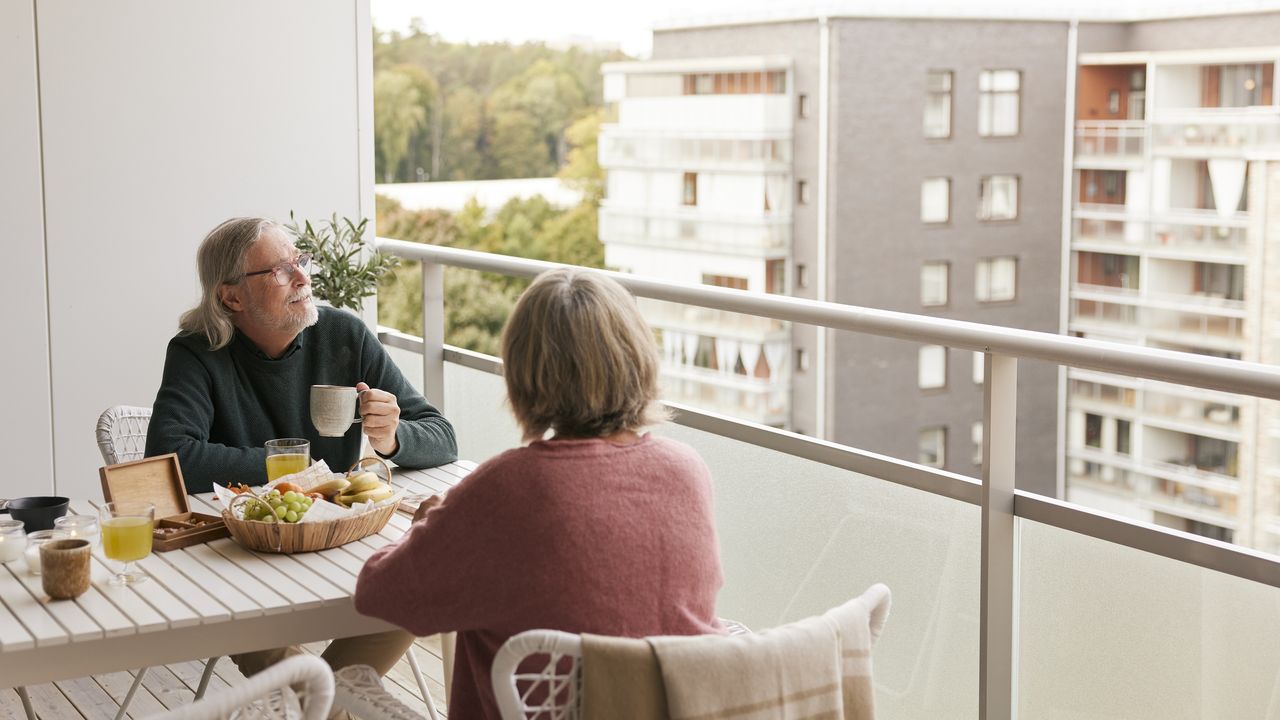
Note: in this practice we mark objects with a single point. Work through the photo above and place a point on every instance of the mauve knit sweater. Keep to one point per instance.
(573, 535)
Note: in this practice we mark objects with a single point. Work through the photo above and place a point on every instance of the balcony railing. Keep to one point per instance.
(620, 148)
(805, 524)
(758, 235)
(1112, 139)
(1215, 131)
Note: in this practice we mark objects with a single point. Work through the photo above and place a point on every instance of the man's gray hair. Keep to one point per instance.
(220, 261)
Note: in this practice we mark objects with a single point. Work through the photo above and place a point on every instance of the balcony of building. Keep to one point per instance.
(1109, 114)
(1110, 144)
(1215, 111)
(760, 234)
(621, 147)
(803, 520)
(740, 94)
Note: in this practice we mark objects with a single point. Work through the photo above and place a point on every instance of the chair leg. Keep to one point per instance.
(206, 676)
(448, 644)
(422, 683)
(26, 703)
(133, 689)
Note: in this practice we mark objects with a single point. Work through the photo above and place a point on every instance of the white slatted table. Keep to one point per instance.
(202, 601)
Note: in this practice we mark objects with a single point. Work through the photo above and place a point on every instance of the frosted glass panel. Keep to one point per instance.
(798, 537)
(1112, 632)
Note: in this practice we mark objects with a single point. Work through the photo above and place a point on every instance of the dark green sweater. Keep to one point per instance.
(218, 408)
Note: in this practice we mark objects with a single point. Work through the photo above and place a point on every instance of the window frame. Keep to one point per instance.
(946, 283)
(939, 431)
(925, 183)
(920, 360)
(986, 101)
(949, 94)
(989, 261)
(984, 214)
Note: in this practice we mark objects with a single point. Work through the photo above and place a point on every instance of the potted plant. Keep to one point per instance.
(345, 274)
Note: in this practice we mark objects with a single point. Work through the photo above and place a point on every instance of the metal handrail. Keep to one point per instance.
(1234, 376)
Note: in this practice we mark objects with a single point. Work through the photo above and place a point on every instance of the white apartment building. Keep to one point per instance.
(1174, 244)
(699, 190)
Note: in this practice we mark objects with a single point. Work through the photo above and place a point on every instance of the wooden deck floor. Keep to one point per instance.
(98, 698)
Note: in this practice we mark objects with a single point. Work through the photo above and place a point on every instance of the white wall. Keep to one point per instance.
(26, 442)
(160, 120)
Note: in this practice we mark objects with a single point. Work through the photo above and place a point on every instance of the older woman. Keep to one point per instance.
(600, 528)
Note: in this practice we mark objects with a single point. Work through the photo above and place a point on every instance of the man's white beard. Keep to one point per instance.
(292, 318)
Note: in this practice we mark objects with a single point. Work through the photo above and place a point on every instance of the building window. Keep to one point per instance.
(937, 104)
(802, 106)
(725, 281)
(1124, 432)
(975, 434)
(932, 371)
(933, 283)
(775, 276)
(802, 360)
(802, 275)
(979, 367)
(998, 197)
(998, 92)
(1092, 430)
(933, 447)
(771, 82)
(690, 196)
(935, 200)
(997, 279)
(802, 192)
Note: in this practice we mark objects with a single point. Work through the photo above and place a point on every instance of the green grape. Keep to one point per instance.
(282, 512)
(295, 506)
(291, 516)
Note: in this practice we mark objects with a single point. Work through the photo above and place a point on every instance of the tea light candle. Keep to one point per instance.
(78, 526)
(12, 540)
(34, 541)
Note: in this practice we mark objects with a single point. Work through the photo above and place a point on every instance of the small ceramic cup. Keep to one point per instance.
(65, 568)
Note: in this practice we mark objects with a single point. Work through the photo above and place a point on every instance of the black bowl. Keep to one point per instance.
(38, 513)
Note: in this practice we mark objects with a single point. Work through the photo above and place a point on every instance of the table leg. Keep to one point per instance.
(26, 703)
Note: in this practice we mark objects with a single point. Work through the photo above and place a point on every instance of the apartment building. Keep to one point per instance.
(897, 163)
(1173, 236)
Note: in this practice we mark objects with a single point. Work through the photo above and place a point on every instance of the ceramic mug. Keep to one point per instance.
(333, 409)
(65, 568)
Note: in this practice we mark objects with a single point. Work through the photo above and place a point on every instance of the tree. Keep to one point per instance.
(583, 171)
(398, 113)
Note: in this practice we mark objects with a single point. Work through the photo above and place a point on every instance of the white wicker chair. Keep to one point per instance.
(558, 683)
(297, 688)
(122, 433)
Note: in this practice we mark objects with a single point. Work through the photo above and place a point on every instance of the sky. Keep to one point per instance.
(628, 24)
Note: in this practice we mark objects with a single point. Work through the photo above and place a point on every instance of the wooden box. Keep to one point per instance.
(158, 480)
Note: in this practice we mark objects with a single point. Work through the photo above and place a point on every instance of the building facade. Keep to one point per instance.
(1108, 179)
(1173, 232)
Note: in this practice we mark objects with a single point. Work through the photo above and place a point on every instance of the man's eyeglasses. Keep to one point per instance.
(283, 273)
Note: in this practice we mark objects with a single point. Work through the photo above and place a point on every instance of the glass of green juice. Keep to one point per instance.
(287, 456)
(126, 536)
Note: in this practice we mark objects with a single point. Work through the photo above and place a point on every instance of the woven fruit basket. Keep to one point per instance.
(276, 536)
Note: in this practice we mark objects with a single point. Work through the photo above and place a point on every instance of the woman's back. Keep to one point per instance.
(574, 535)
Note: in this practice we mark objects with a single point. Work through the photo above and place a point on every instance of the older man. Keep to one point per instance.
(239, 374)
(240, 370)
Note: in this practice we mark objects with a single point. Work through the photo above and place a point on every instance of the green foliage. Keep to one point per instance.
(399, 112)
(490, 111)
(477, 304)
(582, 171)
(342, 278)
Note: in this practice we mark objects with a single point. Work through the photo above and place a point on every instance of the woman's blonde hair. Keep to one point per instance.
(220, 260)
(579, 359)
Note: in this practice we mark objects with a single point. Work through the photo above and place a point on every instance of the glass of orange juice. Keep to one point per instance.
(126, 536)
(287, 456)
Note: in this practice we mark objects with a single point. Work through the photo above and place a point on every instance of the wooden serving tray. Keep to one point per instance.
(158, 480)
(179, 531)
